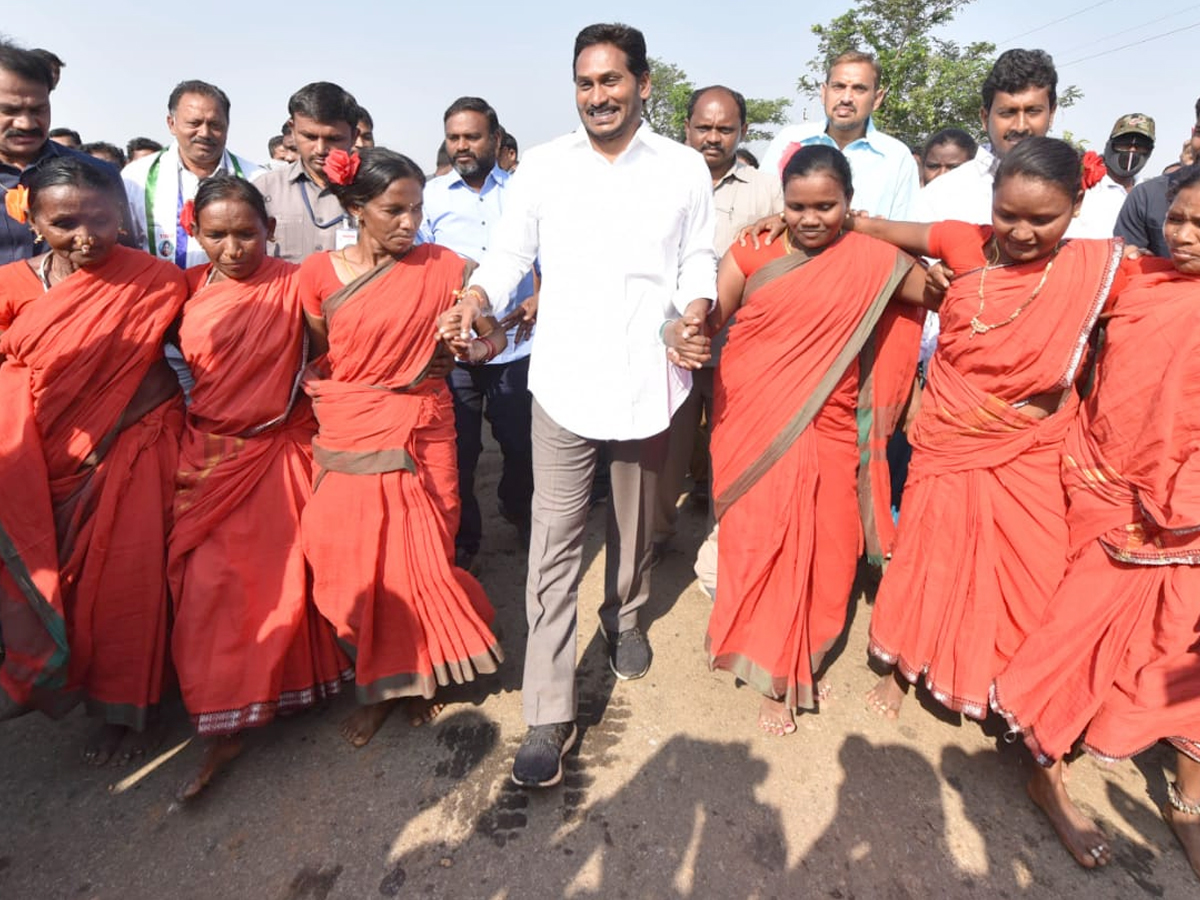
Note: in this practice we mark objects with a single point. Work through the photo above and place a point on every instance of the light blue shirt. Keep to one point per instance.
(885, 173)
(461, 219)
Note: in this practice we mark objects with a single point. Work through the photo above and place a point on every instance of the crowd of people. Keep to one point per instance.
(244, 410)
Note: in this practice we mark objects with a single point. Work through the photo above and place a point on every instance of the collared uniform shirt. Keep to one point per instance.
(157, 185)
(741, 198)
(16, 238)
(463, 220)
(885, 173)
(622, 246)
(301, 229)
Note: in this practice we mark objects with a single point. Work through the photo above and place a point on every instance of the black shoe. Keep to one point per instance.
(539, 758)
(628, 653)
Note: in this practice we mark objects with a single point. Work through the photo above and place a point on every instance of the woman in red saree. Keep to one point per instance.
(247, 641)
(88, 445)
(982, 539)
(813, 328)
(1117, 657)
(379, 530)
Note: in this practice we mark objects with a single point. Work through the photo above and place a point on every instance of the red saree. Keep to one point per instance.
(786, 453)
(1117, 658)
(379, 530)
(983, 537)
(247, 640)
(88, 447)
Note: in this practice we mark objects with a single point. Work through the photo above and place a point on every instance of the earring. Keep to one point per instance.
(37, 236)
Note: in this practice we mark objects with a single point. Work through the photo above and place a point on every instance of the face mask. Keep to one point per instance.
(1126, 163)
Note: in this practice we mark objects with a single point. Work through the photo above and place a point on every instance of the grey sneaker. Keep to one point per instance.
(538, 762)
(628, 653)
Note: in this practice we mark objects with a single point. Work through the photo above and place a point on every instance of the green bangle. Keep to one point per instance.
(662, 331)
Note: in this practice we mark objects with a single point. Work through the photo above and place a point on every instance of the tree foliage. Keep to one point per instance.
(670, 88)
(932, 83)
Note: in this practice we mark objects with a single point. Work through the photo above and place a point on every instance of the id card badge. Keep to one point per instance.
(345, 237)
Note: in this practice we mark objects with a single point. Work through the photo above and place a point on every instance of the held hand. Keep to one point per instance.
(524, 317)
(772, 226)
(1132, 252)
(938, 277)
(688, 344)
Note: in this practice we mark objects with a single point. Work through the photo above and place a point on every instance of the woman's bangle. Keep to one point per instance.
(662, 331)
(492, 349)
(481, 302)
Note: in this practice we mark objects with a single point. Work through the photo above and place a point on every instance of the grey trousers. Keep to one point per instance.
(563, 464)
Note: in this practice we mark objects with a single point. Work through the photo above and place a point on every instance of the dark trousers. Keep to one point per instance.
(500, 394)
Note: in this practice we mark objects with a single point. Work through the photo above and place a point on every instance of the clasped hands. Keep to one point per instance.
(687, 340)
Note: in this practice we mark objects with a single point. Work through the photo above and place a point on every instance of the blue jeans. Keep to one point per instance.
(500, 394)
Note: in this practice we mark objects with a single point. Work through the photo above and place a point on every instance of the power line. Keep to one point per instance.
(1125, 31)
(1155, 37)
(1077, 12)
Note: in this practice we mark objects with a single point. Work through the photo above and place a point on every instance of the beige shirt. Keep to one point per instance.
(742, 197)
(301, 229)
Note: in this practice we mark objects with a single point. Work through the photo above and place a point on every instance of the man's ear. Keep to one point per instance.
(271, 228)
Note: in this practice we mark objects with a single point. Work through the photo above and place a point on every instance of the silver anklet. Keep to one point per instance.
(1181, 802)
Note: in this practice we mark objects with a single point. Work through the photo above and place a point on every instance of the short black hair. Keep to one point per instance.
(820, 158)
(77, 170)
(955, 136)
(737, 98)
(224, 186)
(138, 144)
(378, 168)
(625, 38)
(325, 102)
(273, 144)
(1046, 159)
(25, 64)
(475, 105)
(204, 89)
(53, 63)
(443, 156)
(67, 133)
(508, 142)
(364, 116)
(105, 151)
(747, 157)
(1198, 110)
(1185, 177)
(1020, 70)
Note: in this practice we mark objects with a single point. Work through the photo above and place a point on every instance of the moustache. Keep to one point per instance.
(1013, 136)
(593, 110)
(24, 132)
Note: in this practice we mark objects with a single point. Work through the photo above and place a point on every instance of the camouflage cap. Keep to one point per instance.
(1134, 123)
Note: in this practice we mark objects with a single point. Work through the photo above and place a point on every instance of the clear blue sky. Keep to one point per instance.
(407, 64)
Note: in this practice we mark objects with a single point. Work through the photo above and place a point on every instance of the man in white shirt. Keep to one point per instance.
(885, 173)
(621, 222)
(160, 184)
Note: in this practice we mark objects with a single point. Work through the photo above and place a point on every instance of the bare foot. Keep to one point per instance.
(775, 718)
(362, 724)
(1078, 833)
(824, 693)
(885, 698)
(1186, 829)
(102, 744)
(217, 752)
(137, 745)
(421, 710)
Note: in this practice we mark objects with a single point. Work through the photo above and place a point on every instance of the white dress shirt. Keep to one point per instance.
(884, 171)
(623, 246)
(173, 182)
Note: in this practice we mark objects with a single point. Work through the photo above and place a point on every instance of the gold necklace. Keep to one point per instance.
(977, 325)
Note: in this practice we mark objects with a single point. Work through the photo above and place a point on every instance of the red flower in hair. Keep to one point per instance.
(187, 217)
(341, 167)
(1093, 169)
(16, 203)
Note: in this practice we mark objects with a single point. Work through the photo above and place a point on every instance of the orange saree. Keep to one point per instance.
(88, 446)
(786, 451)
(983, 539)
(379, 530)
(1117, 658)
(247, 640)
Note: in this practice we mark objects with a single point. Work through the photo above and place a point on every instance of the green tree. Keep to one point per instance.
(670, 88)
(932, 83)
